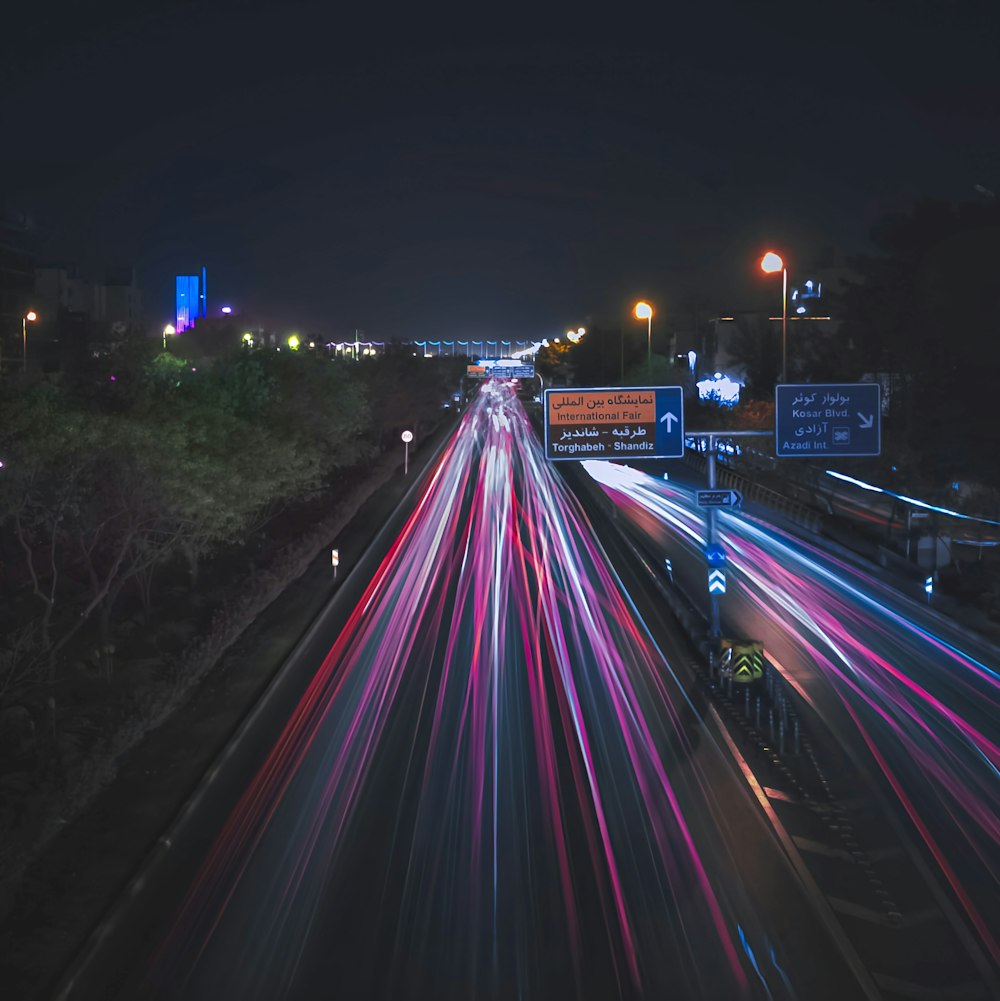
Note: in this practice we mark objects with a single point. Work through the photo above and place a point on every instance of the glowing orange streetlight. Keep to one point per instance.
(30, 317)
(643, 311)
(770, 264)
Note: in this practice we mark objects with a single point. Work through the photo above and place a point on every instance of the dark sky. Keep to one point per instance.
(502, 177)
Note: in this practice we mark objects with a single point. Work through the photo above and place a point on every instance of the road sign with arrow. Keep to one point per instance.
(716, 581)
(719, 498)
(631, 422)
(743, 659)
(715, 555)
(827, 421)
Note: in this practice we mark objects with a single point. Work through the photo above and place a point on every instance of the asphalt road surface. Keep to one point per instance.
(911, 698)
(485, 779)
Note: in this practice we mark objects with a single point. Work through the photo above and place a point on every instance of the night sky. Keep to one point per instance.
(497, 177)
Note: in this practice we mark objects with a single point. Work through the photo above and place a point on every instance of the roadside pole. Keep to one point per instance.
(715, 556)
(407, 437)
(713, 598)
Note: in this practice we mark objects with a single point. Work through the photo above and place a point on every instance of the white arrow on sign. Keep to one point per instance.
(719, 498)
(670, 419)
(866, 422)
(716, 581)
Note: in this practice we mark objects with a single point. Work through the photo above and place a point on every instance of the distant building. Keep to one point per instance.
(122, 300)
(17, 271)
(61, 290)
(191, 301)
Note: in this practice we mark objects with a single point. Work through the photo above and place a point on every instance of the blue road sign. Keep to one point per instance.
(826, 421)
(716, 581)
(645, 422)
(719, 498)
(513, 371)
(715, 555)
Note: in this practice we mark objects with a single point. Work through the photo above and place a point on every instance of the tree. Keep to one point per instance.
(603, 354)
(657, 371)
(756, 348)
(404, 391)
(924, 309)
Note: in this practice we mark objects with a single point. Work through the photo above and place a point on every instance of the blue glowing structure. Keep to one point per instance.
(799, 294)
(720, 388)
(192, 300)
(187, 302)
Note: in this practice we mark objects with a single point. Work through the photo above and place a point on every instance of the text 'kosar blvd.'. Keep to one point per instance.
(644, 422)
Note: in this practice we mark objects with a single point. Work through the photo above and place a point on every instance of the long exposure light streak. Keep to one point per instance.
(492, 749)
(923, 705)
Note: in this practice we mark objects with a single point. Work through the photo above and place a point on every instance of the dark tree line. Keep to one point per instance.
(138, 459)
(926, 310)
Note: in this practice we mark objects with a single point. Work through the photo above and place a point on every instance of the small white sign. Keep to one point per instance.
(335, 557)
(407, 436)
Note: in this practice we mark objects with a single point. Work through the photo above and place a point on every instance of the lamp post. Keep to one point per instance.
(168, 331)
(30, 317)
(643, 311)
(770, 264)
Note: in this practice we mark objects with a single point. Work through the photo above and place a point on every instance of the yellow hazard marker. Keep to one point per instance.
(744, 659)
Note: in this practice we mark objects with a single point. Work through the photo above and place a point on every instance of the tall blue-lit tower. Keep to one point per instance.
(191, 300)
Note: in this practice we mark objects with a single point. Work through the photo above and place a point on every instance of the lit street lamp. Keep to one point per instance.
(168, 331)
(770, 264)
(30, 317)
(643, 311)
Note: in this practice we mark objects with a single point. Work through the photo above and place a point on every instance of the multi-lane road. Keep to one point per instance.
(912, 700)
(497, 780)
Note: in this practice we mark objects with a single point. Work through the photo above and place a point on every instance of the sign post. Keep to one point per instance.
(827, 421)
(407, 437)
(335, 561)
(715, 556)
(614, 423)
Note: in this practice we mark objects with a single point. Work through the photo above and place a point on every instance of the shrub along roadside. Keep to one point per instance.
(111, 493)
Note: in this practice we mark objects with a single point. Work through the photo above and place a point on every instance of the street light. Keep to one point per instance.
(30, 317)
(770, 264)
(293, 342)
(643, 311)
(168, 331)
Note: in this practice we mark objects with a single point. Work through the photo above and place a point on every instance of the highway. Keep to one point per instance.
(494, 784)
(911, 700)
